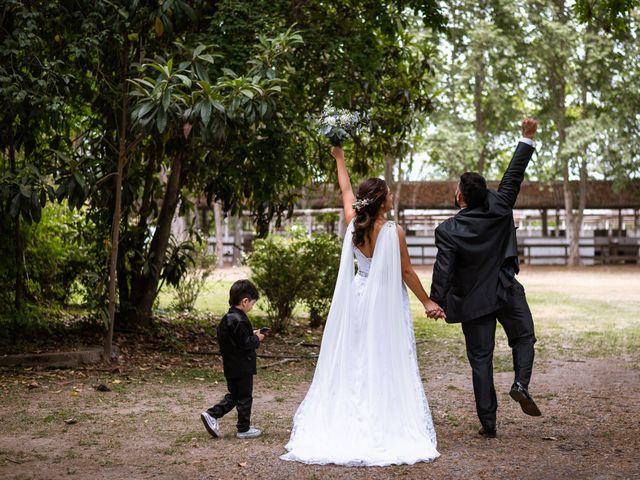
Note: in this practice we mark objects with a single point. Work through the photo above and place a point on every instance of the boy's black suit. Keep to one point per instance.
(238, 346)
(474, 282)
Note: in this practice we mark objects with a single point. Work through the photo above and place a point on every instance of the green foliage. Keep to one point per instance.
(608, 15)
(479, 76)
(322, 257)
(278, 271)
(58, 252)
(295, 269)
(192, 282)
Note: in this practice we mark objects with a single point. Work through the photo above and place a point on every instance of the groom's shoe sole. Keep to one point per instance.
(526, 402)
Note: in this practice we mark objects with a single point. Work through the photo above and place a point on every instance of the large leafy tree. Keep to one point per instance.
(133, 151)
(576, 70)
(479, 74)
(37, 123)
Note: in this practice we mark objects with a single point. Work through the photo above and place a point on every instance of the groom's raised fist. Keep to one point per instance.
(529, 127)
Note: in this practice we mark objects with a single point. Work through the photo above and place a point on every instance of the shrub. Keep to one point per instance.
(189, 287)
(322, 256)
(294, 269)
(57, 252)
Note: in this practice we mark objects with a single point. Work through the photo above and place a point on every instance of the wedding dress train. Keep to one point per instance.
(366, 405)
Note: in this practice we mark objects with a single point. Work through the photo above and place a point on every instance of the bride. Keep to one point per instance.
(366, 405)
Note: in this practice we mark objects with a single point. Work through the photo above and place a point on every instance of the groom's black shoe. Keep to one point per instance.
(521, 395)
(487, 432)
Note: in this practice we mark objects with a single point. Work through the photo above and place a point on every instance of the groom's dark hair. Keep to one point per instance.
(473, 187)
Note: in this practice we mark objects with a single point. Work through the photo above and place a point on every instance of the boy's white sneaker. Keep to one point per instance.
(253, 432)
(211, 424)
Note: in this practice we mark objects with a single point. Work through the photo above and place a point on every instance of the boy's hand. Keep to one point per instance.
(259, 335)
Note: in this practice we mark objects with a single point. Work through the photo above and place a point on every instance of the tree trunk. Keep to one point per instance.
(237, 240)
(158, 247)
(394, 185)
(107, 346)
(572, 235)
(574, 253)
(479, 123)
(17, 234)
(130, 273)
(217, 214)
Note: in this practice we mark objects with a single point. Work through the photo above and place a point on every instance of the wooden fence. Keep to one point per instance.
(547, 251)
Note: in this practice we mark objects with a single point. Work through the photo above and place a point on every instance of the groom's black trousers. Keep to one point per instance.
(515, 318)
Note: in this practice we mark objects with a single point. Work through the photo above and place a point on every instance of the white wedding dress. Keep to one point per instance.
(366, 405)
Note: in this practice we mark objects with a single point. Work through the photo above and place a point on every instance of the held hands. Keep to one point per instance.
(433, 310)
(529, 127)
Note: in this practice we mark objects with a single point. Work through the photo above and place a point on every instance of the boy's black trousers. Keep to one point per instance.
(240, 396)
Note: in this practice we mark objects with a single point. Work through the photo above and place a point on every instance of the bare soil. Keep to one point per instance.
(55, 423)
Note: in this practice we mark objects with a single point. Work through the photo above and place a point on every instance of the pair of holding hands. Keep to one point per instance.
(433, 310)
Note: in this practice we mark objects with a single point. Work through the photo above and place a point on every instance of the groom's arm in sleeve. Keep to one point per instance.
(443, 268)
(512, 179)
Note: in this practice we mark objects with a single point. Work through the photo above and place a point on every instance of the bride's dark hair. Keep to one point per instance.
(369, 199)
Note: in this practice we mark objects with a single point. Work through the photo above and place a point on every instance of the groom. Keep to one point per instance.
(474, 280)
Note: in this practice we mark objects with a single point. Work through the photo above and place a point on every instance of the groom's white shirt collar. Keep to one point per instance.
(528, 141)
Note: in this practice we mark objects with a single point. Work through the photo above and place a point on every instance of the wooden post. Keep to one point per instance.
(620, 223)
(237, 240)
(204, 227)
(545, 223)
(217, 216)
(557, 223)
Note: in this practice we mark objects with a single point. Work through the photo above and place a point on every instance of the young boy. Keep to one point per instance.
(238, 342)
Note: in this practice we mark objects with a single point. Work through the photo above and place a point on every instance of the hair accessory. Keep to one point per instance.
(361, 203)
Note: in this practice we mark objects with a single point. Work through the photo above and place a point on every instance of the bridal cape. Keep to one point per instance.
(366, 405)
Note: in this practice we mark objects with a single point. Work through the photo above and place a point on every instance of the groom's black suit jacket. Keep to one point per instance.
(477, 248)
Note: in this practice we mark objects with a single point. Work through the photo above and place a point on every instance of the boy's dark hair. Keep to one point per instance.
(242, 289)
(473, 187)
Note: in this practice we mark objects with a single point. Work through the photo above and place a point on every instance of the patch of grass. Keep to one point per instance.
(87, 442)
(168, 451)
(452, 419)
(187, 438)
(278, 380)
(502, 362)
(192, 375)
(62, 415)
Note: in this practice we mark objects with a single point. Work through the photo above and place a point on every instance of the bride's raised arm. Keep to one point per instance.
(348, 198)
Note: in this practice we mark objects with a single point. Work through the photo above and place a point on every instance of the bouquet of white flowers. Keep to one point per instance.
(337, 124)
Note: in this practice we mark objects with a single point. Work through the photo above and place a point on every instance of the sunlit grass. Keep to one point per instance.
(572, 317)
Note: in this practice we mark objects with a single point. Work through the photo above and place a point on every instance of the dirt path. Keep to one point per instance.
(148, 426)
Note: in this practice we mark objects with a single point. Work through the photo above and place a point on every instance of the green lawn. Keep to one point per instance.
(586, 312)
